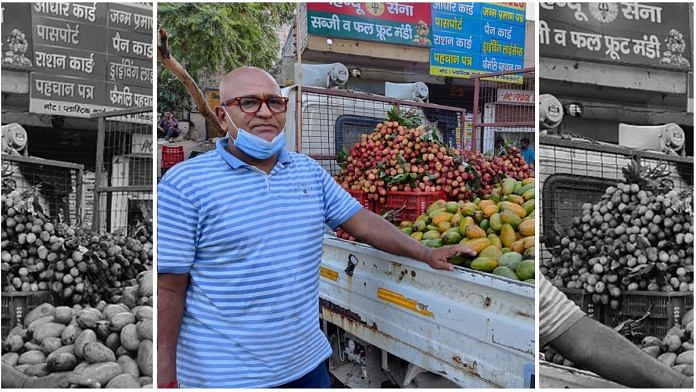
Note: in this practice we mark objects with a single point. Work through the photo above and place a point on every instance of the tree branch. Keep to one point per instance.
(170, 63)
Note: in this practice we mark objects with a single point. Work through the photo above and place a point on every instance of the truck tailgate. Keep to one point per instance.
(474, 329)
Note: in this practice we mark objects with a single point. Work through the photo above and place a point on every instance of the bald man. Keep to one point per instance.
(240, 234)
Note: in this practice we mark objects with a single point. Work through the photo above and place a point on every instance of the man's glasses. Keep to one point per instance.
(253, 104)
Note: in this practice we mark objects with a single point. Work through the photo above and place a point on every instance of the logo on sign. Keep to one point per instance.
(604, 12)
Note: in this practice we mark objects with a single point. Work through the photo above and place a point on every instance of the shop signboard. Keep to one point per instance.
(655, 35)
(90, 58)
(394, 23)
(471, 38)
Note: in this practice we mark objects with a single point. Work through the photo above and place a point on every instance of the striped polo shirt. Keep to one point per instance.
(556, 312)
(252, 244)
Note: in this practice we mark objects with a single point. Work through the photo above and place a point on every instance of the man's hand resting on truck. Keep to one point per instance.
(375, 231)
(436, 258)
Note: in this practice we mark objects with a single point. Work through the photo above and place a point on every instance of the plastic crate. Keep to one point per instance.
(16, 305)
(584, 302)
(666, 310)
(361, 197)
(411, 204)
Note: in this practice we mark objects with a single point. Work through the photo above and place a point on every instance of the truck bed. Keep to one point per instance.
(552, 375)
(474, 329)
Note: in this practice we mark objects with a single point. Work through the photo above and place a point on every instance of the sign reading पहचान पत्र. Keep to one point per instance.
(642, 34)
(86, 57)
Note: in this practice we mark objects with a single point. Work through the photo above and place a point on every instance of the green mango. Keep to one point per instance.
(434, 213)
(505, 272)
(491, 252)
(508, 186)
(485, 224)
(432, 243)
(420, 224)
(529, 206)
(524, 189)
(510, 260)
(525, 270)
(495, 222)
(483, 264)
(431, 235)
(451, 236)
(452, 207)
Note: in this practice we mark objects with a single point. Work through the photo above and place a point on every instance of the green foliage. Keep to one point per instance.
(213, 38)
(171, 94)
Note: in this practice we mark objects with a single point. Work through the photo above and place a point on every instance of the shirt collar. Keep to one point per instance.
(235, 163)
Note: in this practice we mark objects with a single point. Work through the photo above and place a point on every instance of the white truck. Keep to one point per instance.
(394, 321)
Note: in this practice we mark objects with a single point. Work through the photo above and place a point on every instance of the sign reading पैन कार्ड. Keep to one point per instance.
(656, 35)
(90, 58)
(472, 38)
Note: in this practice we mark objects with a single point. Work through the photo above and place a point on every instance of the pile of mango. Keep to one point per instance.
(499, 228)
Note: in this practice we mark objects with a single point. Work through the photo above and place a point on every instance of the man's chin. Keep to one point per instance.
(266, 134)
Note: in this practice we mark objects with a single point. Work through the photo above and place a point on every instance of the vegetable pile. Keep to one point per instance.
(401, 155)
(499, 228)
(639, 236)
(78, 266)
(109, 343)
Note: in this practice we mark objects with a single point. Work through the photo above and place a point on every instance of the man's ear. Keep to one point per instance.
(220, 115)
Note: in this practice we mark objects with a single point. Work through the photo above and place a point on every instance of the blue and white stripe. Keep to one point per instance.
(252, 244)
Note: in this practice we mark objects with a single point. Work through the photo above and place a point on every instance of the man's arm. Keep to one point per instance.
(602, 350)
(377, 232)
(171, 293)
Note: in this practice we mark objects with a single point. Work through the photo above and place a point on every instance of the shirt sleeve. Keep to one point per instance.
(339, 205)
(557, 313)
(177, 230)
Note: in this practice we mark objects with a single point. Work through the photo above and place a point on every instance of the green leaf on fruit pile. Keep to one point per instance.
(431, 136)
(399, 178)
(400, 159)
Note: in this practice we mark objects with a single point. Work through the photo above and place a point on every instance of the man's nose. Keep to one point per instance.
(264, 111)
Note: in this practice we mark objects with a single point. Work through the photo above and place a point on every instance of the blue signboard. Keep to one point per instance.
(471, 38)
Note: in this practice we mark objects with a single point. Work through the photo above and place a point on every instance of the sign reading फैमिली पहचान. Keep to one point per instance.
(644, 34)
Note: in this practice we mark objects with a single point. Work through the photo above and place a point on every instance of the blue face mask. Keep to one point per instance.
(256, 147)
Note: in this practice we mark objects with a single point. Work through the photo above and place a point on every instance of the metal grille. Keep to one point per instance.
(503, 110)
(123, 178)
(57, 185)
(332, 121)
(573, 172)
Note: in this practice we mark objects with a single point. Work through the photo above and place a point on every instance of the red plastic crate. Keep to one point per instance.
(361, 197)
(413, 203)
